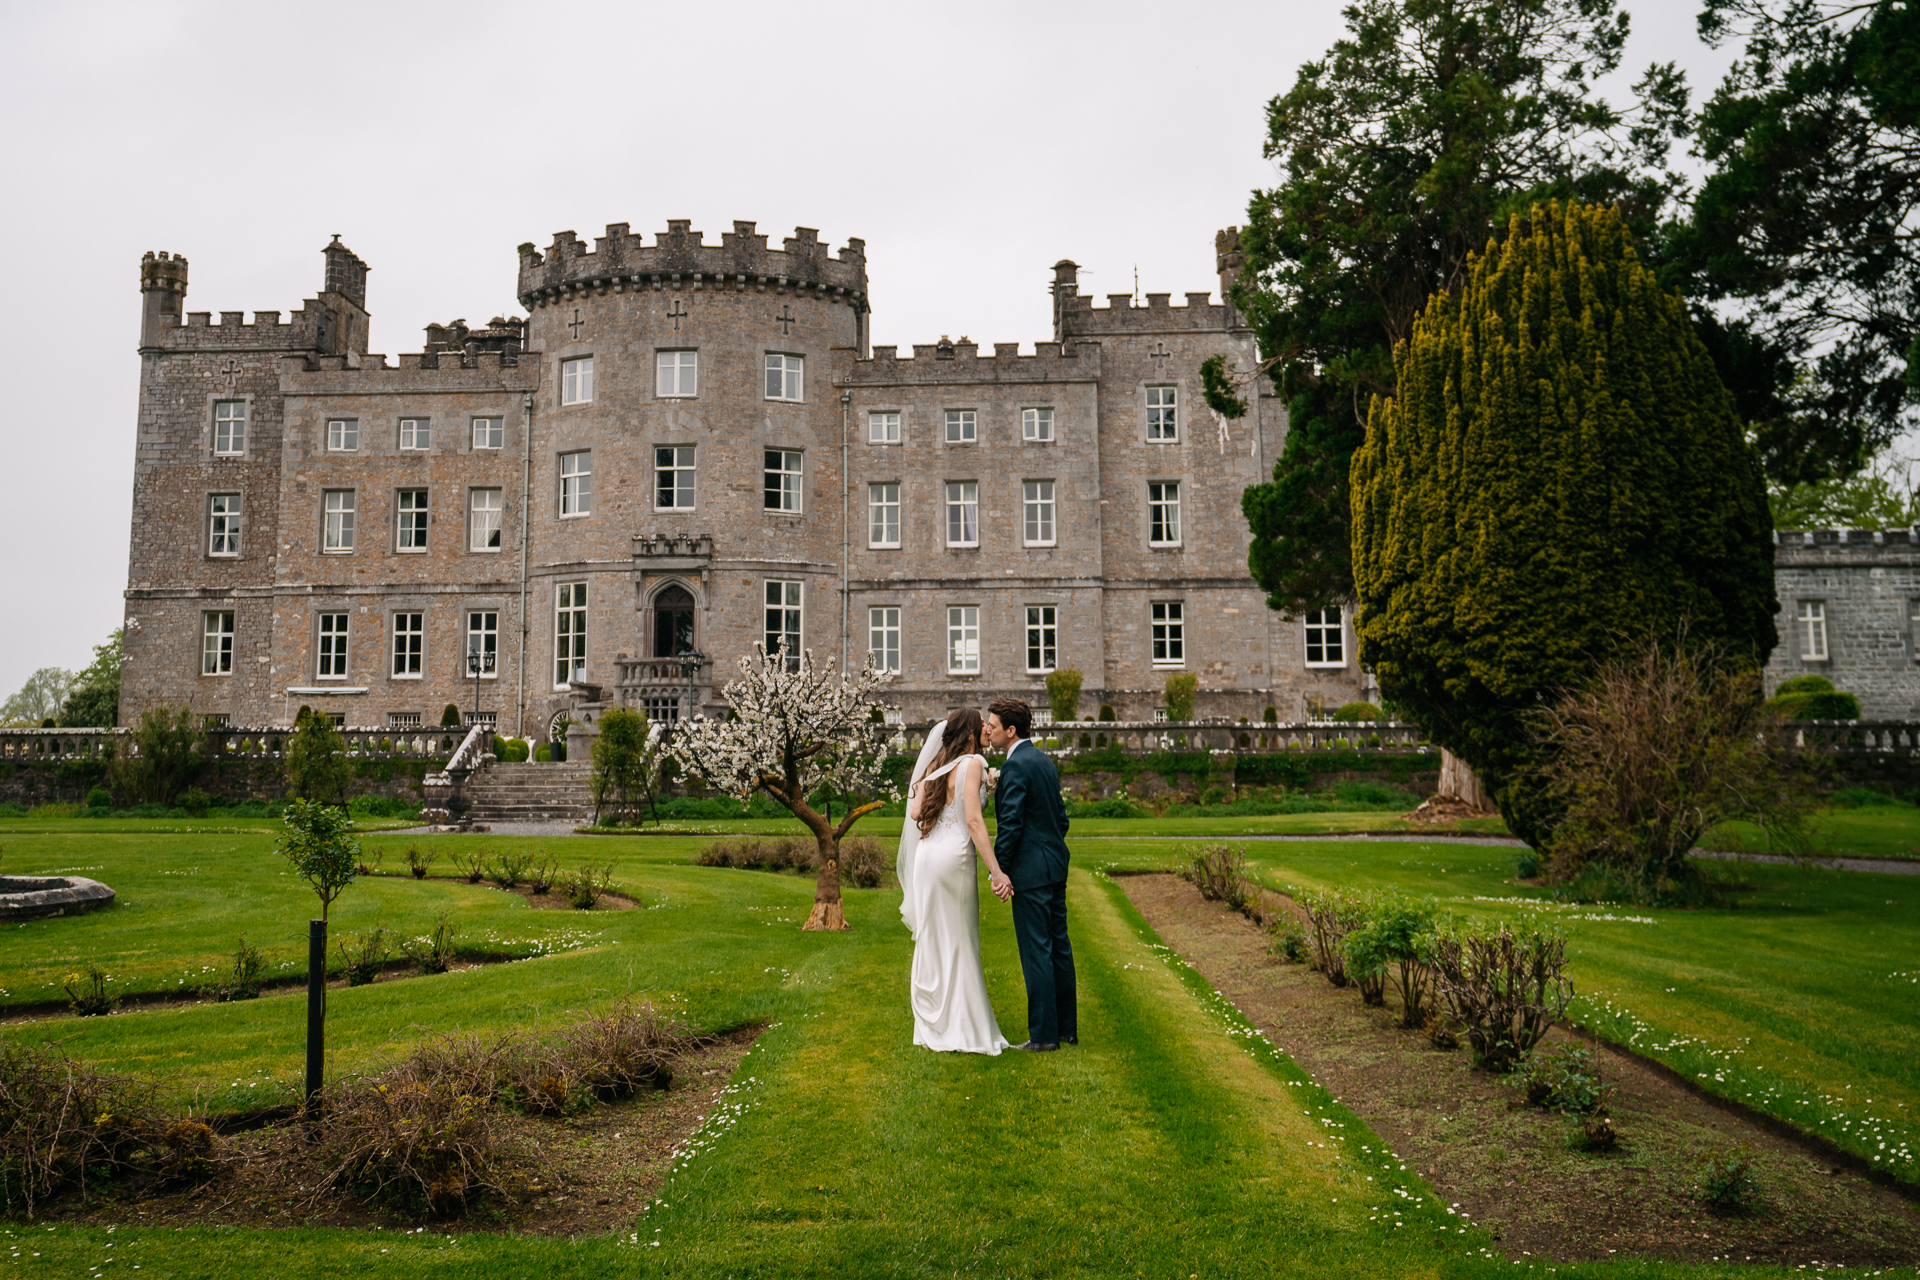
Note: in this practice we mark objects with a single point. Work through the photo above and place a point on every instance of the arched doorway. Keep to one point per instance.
(672, 622)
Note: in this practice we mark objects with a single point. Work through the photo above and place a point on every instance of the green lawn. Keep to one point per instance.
(1172, 1144)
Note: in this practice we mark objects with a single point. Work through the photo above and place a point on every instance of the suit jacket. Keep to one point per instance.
(1031, 842)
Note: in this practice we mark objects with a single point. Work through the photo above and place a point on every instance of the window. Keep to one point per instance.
(216, 646)
(661, 710)
(676, 373)
(1169, 633)
(1042, 717)
(414, 433)
(576, 381)
(785, 380)
(963, 426)
(338, 535)
(412, 520)
(409, 642)
(673, 477)
(1036, 424)
(223, 524)
(883, 428)
(783, 620)
(489, 433)
(883, 639)
(1043, 637)
(963, 640)
(1160, 414)
(569, 632)
(229, 426)
(333, 646)
(576, 483)
(963, 514)
(1037, 498)
(488, 718)
(343, 435)
(403, 719)
(483, 638)
(672, 622)
(484, 511)
(783, 480)
(1813, 630)
(1163, 512)
(1326, 638)
(883, 515)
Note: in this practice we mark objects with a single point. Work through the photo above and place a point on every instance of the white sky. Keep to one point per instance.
(971, 147)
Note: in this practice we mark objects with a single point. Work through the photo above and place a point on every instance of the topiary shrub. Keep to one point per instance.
(1357, 713)
(1106, 711)
(450, 716)
(1063, 693)
(1270, 715)
(1180, 692)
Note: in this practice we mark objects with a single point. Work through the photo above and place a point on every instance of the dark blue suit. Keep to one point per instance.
(1031, 846)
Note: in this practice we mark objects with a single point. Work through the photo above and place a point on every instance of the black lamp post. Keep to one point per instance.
(690, 663)
(478, 662)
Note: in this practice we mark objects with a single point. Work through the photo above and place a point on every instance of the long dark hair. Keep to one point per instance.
(961, 738)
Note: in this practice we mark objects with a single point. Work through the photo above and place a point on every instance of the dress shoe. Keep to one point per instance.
(1069, 1039)
(1033, 1046)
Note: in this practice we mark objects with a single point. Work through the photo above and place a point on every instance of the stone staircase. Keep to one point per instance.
(530, 793)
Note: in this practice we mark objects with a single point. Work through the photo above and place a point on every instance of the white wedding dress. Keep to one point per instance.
(948, 986)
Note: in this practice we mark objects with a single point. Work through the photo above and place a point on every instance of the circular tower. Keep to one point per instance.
(685, 489)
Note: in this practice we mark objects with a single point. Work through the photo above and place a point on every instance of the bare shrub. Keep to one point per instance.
(627, 1050)
(509, 867)
(588, 885)
(861, 860)
(1507, 990)
(62, 1121)
(1668, 740)
(419, 860)
(472, 864)
(416, 1135)
(249, 974)
(1219, 871)
(365, 954)
(433, 951)
(1331, 916)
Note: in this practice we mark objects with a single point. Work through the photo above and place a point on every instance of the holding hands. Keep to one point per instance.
(1001, 884)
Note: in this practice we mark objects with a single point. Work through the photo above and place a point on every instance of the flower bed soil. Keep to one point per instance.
(594, 1172)
(1508, 1167)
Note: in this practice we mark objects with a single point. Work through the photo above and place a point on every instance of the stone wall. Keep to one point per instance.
(1866, 586)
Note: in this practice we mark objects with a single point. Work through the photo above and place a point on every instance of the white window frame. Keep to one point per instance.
(229, 428)
(1163, 513)
(676, 373)
(963, 513)
(343, 435)
(678, 469)
(963, 639)
(1037, 424)
(339, 508)
(489, 433)
(223, 525)
(216, 642)
(576, 484)
(790, 466)
(883, 513)
(783, 609)
(486, 520)
(1039, 513)
(333, 632)
(962, 426)
(410, 521)
(483, 636)
(1167, 632)
(883, 638)
(786, 377)
(576, 380)
(883, 426)
(1043, 638)
(1163, 413)
(403, 719)
(409, 630)
(416, 435)
(569, 632)
(1810, 620)
(1325, 630)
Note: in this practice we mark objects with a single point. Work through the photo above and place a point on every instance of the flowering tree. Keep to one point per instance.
(797, 729)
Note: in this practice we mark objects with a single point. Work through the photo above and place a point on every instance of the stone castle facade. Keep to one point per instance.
(692, 447)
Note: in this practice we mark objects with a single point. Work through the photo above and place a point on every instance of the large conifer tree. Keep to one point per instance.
(1559, 470)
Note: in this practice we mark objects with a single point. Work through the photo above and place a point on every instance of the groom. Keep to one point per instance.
(1031, 847)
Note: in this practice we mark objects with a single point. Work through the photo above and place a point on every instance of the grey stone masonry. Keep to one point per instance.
(1850, 611)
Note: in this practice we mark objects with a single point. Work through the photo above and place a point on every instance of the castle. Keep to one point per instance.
(682, 450)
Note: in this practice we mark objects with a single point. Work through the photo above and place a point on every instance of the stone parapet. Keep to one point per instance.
(621, 261)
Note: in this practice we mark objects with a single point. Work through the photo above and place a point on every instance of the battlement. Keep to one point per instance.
(1079, 317)
(1810, 548)
(620, 261)
(162, 272)
(947, 361)
(333, 322)
(499, 334)
(414, 373)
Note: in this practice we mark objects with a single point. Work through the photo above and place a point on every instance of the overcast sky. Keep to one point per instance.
(970, 146)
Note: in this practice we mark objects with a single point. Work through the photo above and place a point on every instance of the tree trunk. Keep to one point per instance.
(827, 911)
(1459, 782)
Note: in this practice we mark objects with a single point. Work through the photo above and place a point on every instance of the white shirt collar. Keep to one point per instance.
(1017, 744)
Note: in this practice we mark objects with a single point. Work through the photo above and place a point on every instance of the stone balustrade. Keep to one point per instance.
(1216, 735)
(227, 742)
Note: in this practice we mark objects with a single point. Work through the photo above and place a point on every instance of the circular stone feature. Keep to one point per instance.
(32, 897)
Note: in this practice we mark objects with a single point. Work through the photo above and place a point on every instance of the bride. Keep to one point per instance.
(940, 899)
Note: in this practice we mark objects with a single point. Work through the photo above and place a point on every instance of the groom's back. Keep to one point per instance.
(1041, 856)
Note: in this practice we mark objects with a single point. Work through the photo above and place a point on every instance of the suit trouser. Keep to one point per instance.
(1046, 958)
